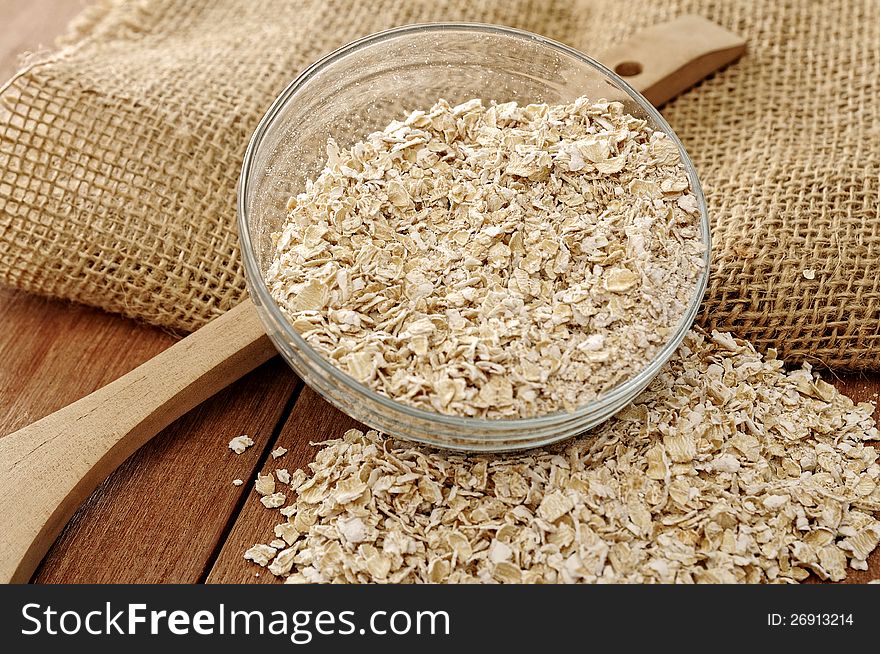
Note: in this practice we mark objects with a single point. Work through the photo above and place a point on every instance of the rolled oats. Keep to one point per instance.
(727, 468)
(502, 261)
(264, 484)
(274, 500)
(240, 443)
(260, 554)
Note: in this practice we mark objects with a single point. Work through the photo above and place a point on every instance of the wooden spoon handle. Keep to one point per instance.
(664, 60)
(51, 466)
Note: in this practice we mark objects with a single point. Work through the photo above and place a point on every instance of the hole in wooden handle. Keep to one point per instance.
(628, 68)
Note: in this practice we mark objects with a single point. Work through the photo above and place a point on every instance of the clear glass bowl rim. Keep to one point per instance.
(260, 292)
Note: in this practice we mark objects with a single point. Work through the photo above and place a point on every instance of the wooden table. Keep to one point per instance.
(171, 513)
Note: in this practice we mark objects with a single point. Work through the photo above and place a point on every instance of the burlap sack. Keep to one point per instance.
(119, 153)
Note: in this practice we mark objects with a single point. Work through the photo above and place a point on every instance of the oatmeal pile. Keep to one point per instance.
(497, 262)
(726, 469)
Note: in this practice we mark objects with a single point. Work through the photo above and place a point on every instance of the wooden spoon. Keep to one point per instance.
(50, 467)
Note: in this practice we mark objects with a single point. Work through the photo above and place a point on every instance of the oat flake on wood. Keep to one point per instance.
(726, 469)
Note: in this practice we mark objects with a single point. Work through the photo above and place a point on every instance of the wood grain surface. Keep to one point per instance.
(50, 467)
(311, 421)
(171, 512)
(168, 508)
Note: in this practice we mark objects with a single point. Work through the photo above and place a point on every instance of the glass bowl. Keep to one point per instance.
(359, 89)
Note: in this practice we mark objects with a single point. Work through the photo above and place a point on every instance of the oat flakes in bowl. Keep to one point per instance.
(503, 269)
(493, 261)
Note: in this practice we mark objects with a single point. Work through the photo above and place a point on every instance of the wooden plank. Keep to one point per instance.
(50, 467)
(312, 420)
(53, 353)
(162, 515)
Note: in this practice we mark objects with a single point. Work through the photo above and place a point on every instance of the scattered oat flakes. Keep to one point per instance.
(260, 554)
(283, 475)
(278, 452)
(240, 443)
(274, 500)
(265, 484)
(237, 482)
(501, 261)
(727, 468)
(809, 273)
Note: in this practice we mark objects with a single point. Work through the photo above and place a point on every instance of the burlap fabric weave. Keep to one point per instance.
(119, 153)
